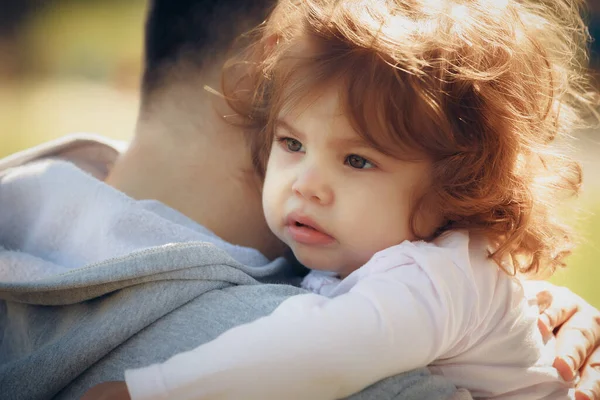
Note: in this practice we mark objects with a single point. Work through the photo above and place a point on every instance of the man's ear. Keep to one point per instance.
(271, 43)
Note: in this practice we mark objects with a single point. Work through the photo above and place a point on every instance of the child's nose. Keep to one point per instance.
(313, 186)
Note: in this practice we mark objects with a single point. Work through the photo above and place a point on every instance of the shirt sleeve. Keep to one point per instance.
(314, 347)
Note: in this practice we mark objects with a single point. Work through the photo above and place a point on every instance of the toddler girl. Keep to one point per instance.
(405, 148)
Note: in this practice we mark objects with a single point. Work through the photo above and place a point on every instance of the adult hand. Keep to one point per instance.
(576, 325)
(108, 391)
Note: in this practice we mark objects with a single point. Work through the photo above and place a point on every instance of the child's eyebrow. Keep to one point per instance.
(354, 141)
(348, 141)
(281, 123)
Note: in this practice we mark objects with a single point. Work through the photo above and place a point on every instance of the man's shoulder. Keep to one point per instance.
(92, 153)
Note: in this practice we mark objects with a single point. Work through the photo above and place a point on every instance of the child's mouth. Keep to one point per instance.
(301, 225)
(308, 235)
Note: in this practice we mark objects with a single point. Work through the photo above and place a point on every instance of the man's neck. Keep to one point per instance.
(185, 156)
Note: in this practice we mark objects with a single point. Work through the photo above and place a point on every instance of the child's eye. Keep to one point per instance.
(292, 145)
(358, 162)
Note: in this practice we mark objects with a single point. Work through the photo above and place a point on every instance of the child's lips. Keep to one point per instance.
(303, 229)
(309, 236)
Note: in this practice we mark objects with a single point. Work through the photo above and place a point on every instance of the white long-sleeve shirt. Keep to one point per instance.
(443, 303)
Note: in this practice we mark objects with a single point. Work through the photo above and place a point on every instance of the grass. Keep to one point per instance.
(582, 274)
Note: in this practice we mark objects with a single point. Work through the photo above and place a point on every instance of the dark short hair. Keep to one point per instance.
(194, 31)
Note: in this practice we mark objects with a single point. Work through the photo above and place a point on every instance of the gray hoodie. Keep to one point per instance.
(93, 282)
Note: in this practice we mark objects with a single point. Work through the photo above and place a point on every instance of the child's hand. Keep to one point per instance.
(577, 328)
(108, 391)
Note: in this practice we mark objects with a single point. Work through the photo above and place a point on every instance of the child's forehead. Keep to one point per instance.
(320, 100)
(325, 114)
(322, 110)
(373, 101)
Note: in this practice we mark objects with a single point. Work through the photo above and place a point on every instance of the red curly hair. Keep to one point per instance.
(481, 88)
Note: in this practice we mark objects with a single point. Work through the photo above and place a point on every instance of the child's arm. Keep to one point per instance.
(584, 348)
(313, 347)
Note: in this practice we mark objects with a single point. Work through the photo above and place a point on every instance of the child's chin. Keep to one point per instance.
(318, 263)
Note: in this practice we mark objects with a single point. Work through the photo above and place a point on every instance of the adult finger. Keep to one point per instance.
(555, 310)
(576, 340)
(588, 387)
(108, 391)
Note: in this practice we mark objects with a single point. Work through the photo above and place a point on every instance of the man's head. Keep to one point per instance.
(196, 34)
(183, 153)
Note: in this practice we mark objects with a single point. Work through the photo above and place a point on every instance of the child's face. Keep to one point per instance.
(331, 197)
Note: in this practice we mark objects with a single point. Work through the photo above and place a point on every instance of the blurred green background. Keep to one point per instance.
(74, 65)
